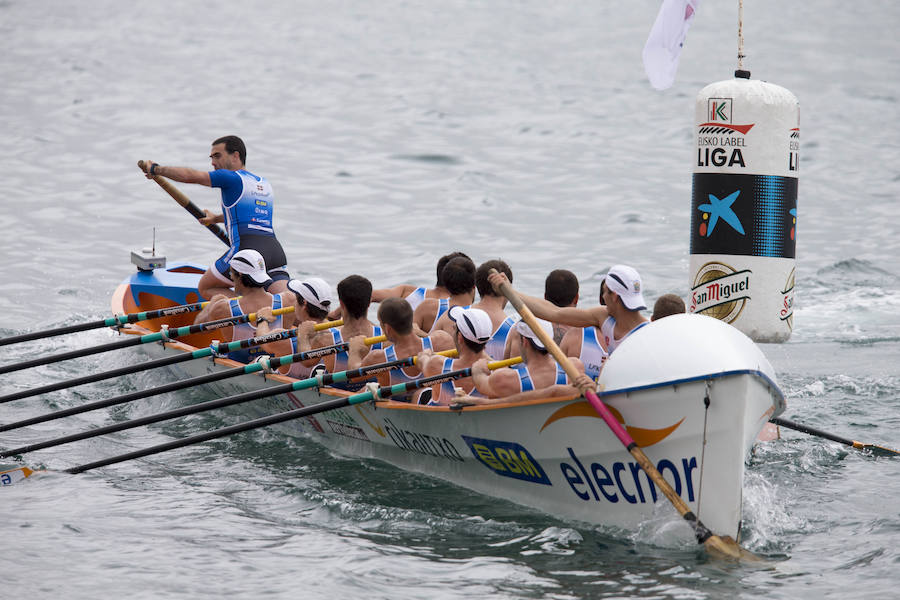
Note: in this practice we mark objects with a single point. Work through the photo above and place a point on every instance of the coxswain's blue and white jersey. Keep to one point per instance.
(247, 203)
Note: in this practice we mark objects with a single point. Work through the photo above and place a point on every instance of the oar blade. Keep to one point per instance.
(726, 548)
(876, 450)
(15, 475)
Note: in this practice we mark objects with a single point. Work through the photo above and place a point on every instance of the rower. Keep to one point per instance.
(312, 299)
(354, 297)
(247, 211)
(249, 278)
(395, 316)
(473, 330)
(414, 295)
(616, 318)
(538, 369)
(459, 277)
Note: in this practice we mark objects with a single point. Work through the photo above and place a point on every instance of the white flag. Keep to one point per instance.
(664, 44)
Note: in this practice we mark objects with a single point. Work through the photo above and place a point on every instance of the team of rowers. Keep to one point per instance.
(252, 277)
(421, 322)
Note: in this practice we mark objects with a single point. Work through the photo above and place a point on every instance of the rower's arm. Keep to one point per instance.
(399, 291)
(184, 174)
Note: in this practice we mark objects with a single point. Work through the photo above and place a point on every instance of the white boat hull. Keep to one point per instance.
(556, 455)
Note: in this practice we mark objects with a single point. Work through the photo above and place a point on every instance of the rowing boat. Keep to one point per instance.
(692, 391)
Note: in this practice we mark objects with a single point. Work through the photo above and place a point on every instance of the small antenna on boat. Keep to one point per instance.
(146, 260)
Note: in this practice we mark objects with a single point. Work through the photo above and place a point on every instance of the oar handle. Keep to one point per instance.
(725, 546)
(186, 203)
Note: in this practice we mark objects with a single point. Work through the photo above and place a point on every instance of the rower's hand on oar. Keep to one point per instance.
(584, 383)
(497, 279)
(356, 351)
(147, 166)
(264, 318)
(423, 357)
(211, 218)
(305, 331)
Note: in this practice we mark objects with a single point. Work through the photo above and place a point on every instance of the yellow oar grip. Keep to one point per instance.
(278, 311)
(504, 363)
(328, 324)
(375, 339)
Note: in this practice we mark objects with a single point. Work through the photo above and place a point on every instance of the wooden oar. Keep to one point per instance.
(722, 545)
(324, 379)
(186, 203)
(110, 322)
(160, 336)
(872, 448)
(254, 367)
(222, 348)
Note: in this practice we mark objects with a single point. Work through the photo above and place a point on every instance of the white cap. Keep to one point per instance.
(250, 263)
(313, 290)
(473, 323)
(523, 328)
(626, 283)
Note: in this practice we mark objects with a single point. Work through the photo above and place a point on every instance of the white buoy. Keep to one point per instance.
(744, 206)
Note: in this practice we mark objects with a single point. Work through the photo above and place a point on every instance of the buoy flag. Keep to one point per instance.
(664, 43)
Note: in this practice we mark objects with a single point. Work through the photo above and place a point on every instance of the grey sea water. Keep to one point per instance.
(394, 132)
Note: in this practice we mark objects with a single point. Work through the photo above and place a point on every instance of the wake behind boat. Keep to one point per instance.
(692, 391)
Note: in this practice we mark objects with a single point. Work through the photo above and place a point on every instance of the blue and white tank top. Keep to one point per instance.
(298, 370)
(447, 390)
(415, 297)
(341, 359)
(245, 331)
(443, 306)
(247, 203)
(497, 344)
(399, 376)
(526, 384)
(608, 332)
(592, 353)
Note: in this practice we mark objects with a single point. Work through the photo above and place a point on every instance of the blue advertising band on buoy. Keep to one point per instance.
(750, 215)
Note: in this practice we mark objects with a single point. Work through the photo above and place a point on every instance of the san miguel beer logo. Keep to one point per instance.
(719, 141)
(720, 291)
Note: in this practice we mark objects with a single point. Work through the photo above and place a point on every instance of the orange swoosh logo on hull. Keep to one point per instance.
(642, 437)
(376, 428)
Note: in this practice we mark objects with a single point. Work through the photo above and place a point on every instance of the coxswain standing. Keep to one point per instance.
(247, 209)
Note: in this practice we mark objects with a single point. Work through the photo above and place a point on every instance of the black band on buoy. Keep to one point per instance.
(742, 74)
